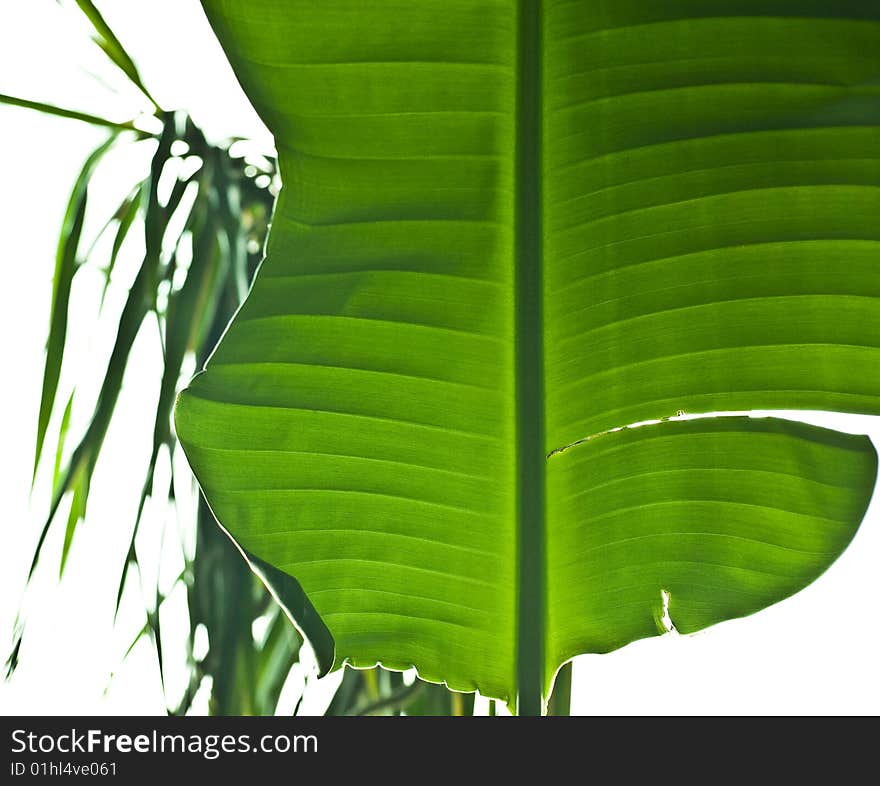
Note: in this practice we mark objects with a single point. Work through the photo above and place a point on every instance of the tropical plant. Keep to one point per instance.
(200, 214)
(511, 232)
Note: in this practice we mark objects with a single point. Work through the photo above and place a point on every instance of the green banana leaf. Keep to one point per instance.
(508, 231)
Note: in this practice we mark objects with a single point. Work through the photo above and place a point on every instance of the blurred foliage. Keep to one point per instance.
(203, 211)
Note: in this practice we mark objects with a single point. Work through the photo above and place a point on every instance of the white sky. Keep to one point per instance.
(814, 653)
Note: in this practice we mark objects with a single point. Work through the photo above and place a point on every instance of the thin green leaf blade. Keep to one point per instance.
(87, 452)
(126, 215)
(62, 439)
(76, 515)
(112, 47)
(65, 267)
(70, 114)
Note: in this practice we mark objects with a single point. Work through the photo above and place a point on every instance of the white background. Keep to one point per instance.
(817, 652)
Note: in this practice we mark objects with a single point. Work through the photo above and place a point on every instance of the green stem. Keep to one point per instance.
(371, 681)
(529, 365)
(397, 700)
(560, 701)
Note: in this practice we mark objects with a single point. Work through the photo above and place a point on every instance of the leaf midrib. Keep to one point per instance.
(528, 348)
